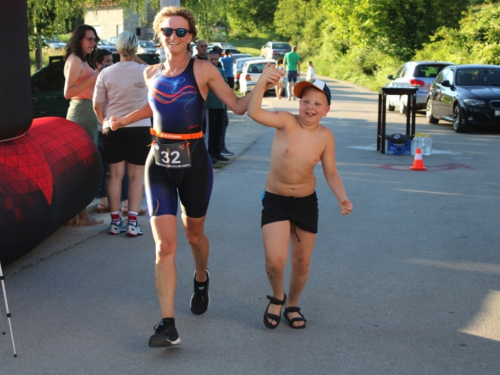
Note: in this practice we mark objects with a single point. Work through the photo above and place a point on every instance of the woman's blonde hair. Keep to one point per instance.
(127, 44)
(171, 11)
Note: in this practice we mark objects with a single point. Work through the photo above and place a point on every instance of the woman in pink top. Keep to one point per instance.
(79, 87)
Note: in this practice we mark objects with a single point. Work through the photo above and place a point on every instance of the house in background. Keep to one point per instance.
(110, 19)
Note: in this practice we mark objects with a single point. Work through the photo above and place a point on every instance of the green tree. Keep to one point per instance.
(475, 40)
(396, 27)
(251, 15)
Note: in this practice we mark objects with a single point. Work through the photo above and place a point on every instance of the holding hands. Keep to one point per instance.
(271, 74)
(116, 122)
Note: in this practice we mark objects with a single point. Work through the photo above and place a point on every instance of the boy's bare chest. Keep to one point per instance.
(298, 148)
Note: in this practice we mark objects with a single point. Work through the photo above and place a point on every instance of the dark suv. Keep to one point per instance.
(47, 86)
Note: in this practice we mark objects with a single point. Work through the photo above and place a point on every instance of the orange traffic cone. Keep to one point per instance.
(418, 162)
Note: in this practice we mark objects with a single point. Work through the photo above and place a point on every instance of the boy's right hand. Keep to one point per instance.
(345, 206)
(271, 74)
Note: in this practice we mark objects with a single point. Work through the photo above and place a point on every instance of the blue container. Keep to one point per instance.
(398, 148)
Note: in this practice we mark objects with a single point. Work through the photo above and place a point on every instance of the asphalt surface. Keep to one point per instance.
(408, 283)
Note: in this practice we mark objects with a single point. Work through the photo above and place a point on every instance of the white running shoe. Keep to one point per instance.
(117, 229)
(134, 230)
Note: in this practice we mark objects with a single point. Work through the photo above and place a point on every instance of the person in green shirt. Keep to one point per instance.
(292, 64)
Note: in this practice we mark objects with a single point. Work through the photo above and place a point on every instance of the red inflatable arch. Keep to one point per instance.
(49, 167)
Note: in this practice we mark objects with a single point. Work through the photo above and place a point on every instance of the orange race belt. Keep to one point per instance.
(176, 136)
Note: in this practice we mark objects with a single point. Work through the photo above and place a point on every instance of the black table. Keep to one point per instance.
(411, 110)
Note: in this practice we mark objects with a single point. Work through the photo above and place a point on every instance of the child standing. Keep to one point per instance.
(290, 208)
(311, 73)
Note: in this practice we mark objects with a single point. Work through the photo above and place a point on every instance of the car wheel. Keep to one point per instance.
(459, 123)
(402, 106)
(428, 113)
(388, 105)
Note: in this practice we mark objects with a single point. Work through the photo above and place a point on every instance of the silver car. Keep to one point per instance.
(275, 50)
(419, 74)
(252, 69)
(147, 47)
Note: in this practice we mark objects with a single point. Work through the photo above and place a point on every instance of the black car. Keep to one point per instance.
(47, 86)
(466, 95)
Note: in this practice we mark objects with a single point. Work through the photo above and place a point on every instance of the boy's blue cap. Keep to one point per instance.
(317, 84)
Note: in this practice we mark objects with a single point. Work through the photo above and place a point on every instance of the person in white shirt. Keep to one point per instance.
(311, 73)
(119, 90)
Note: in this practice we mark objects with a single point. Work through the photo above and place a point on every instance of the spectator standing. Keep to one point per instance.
(123, 89)
(311, 73)
(292, 65)
(228, 64)
(80, 78)
(103, 60)
(216, 110)
(201, 48)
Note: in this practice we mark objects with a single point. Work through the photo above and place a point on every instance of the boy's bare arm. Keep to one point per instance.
(332, 176)
(270, 75)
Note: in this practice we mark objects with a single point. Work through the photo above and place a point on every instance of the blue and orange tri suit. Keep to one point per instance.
(177, 106)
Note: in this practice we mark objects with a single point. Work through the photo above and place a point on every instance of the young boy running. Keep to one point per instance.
(290, 208)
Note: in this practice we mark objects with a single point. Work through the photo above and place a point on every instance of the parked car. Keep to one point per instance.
(224, 46)
(251, 72)
(104, 44)
(112, 40)
(466, 95)
(147, 47)
(238, 68)
(47, 86)
(419, 74)
(54, 43)
(275, 50)
(241, 55)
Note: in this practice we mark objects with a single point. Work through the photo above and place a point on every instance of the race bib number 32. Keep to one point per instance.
(175, 155)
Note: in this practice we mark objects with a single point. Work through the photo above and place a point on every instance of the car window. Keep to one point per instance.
(241, 62)
(440, 76)
(50, 79)
(400, 72)
(281, 45)
(448, 75)
(256, 67)
(427, 71)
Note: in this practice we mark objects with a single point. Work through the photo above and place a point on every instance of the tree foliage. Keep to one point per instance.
(475, 40)
(251, 15)
(397, 27)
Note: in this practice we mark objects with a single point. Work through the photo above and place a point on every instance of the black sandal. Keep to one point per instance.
(293, 320)
(267, 315)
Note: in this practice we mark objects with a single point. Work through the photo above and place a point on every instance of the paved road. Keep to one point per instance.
(406, 284)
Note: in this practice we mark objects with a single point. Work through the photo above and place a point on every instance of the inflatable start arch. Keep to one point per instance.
(49, 167)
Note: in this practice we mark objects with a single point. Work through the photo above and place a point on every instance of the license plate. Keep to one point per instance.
(497, 112)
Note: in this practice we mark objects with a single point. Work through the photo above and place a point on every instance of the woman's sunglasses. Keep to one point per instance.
(181, 32)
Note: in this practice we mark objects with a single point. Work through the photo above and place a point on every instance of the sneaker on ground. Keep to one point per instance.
(226, 152)
(164, 336)
(200, 299)
(221, 157)
(134, 230)
(117, 228)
